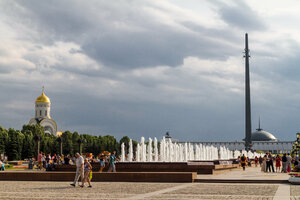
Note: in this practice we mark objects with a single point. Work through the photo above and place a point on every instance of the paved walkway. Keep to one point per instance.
(252, 173)
(133, 191)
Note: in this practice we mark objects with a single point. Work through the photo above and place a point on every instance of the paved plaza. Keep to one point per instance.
(62, 190)
(252, 173)
(133, 190)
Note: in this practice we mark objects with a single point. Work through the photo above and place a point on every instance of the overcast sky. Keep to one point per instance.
(141, 68)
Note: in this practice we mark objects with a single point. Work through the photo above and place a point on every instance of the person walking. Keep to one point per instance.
(270, 163)
(289, 163)
(87, 173)
(238, 160)
(249, 162)
(112, 158)
(264, 164)
(256, 161)
(260, 160)
(79, 169)
(243, 161)
(284, 163)
(272, 159)
(278, 163)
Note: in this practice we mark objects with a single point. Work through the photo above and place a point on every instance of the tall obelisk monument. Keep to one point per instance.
(248, 141)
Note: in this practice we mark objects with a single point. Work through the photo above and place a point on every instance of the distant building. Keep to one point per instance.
(42, 114)
(167, 136)
(261, 141)
(261, 135)
(266, 146)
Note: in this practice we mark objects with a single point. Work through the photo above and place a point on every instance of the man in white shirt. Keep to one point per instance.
(79, 168)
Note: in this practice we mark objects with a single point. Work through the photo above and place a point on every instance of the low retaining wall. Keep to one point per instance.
(101, 177)
(72, 168)
(200, 167)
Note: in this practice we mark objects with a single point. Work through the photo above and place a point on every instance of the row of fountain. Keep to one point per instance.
(178, 152)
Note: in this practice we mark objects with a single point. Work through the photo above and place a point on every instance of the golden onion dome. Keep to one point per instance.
(42, 99)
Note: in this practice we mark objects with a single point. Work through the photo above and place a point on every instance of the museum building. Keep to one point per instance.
(261, 141)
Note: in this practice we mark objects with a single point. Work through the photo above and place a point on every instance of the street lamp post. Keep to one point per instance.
(60, 141)
(37, 139)
(79, 144)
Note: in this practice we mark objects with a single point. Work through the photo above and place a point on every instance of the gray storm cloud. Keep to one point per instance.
(141, 68)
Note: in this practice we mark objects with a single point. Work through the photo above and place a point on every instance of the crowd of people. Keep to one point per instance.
(48, 161)
(83, 164)
(285, 163)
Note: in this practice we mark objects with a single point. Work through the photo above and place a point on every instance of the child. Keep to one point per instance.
(87, 172)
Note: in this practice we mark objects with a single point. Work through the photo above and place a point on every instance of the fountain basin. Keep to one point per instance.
(200, 167)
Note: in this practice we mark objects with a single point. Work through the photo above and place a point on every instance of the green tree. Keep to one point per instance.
(35, 129)
(28, 150)
(67, 137)
(20, 144)
(109, 143)
(14, 145)
(75, 138)
(3, 139)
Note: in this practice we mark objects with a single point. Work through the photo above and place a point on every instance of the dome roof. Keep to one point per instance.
(42, 99)
(261, 135)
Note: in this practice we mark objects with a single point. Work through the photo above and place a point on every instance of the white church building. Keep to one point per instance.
(42, 114)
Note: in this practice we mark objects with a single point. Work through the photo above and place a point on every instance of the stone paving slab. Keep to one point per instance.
(212, 197)
(229, 189)
(121, 190)
(132, 190)
(105, 187)
(252, 173)
(295, 190)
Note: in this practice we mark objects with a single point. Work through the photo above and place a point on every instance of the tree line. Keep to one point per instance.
(21, 144)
